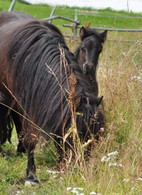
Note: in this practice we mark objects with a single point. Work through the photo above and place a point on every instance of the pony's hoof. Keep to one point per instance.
(31, 183)
(31, 180)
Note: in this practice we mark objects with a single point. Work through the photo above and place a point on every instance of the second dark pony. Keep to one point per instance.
(87, 54)
(42, 77)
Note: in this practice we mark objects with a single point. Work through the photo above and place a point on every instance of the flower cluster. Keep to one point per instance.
(76, 190)
(56, 173)
(111, 158)
(79, 191)
(137, 78)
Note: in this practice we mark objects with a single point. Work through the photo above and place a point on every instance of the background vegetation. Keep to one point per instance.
(120, 82)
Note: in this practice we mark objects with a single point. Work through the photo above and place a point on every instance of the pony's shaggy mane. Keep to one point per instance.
(34, 55)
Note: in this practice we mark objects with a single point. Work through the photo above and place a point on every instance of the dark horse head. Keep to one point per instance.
(90, 49)
(87, 54)
(37, 68)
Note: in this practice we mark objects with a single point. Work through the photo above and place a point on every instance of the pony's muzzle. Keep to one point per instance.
(88, 68)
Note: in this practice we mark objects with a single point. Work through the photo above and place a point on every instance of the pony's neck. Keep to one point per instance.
(76, 54)
(77, 57)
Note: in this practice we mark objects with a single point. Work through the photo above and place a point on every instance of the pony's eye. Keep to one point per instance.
(82, 49)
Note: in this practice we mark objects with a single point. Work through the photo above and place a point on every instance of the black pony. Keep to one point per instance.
(42, 77)
(87, 54)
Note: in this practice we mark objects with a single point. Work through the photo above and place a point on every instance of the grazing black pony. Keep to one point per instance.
(45, 82)
(87, 54)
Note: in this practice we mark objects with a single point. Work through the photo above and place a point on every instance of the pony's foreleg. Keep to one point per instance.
(31, 169)
(30, 143)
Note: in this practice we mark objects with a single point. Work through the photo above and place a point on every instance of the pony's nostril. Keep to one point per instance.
(88, 68)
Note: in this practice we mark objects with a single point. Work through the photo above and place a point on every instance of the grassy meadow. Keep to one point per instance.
(115, 164)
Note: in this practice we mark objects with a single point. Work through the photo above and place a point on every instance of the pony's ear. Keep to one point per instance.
(87, 26)
(82, 33)
(104, 35)
(99, 100)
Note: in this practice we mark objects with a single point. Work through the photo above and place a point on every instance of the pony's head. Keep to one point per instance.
(89, 119)
(90, 49)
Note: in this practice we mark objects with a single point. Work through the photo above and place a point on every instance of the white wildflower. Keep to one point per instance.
(54, 172)
(138, 78)
(112, 165)
(105, 159)
(68, 188)
(93, 193)
(111, 156)
(120, 165)
(134, 189)
(74, 191)
(139, 179)
(126, 180)
(19, 192)
(77, 188)
(115, 153)
(115, 165)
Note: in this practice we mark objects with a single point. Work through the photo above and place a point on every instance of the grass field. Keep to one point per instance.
(115, 165)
